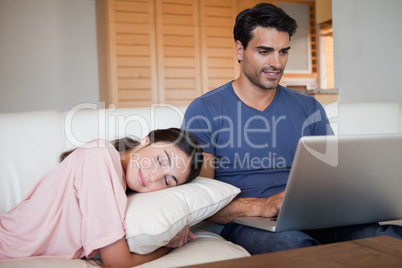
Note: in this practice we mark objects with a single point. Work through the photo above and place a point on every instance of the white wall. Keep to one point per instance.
(368, 50)
(48, 55)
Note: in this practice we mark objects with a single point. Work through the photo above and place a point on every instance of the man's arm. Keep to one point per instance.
(247, 207)
(241, 207)
(208, 166)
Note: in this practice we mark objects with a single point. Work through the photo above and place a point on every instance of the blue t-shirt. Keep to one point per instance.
(254, 149)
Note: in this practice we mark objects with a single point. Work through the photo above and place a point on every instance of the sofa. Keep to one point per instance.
(32, 141)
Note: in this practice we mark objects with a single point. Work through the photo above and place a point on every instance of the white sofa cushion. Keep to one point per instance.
(31, 143)
(85, 123)
(365, 117)
(208, 247)
(154, 218)
(50, 262)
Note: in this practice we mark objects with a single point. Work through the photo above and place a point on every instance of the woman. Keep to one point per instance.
(77, 209)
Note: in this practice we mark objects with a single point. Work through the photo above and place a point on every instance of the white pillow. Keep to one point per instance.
(154, 218)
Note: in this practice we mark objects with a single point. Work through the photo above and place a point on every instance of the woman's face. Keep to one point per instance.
(156, 166)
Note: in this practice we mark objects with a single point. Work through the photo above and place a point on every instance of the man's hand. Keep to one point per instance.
(247, 207)
(241, 207)
(181, 238)
(266, 207)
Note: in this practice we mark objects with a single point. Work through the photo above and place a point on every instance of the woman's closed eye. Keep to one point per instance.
(166, 181)
(165, 162)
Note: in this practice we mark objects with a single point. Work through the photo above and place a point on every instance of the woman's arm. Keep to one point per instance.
(119, 255)
(181, 238)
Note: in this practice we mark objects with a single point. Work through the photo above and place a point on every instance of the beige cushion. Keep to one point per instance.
(208, 247)
(49, 262)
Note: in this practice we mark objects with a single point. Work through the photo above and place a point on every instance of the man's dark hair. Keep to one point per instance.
(264, 15)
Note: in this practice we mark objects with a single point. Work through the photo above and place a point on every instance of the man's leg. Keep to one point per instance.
(368, 230)
(347, 233)
(257, 241)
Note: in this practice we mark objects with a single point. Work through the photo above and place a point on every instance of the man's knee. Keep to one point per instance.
(257, 241)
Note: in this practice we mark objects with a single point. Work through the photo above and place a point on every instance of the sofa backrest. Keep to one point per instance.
(84, 125)
(31, 142)
(365, 118)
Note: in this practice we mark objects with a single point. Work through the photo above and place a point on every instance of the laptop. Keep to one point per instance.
(340, 180)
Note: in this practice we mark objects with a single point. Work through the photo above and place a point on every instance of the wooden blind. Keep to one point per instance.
(243, 4)
(131, 56)
(170, 51)
(135, 53)
(217, 45)
(178, 51)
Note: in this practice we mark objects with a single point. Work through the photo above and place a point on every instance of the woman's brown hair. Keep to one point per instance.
(184, 140)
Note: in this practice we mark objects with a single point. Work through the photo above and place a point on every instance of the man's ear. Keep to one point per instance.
(144, 141)
(239, 50)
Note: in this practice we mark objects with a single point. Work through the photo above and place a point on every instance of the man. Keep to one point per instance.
(249, 129)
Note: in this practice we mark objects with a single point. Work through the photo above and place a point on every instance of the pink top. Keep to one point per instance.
(75, 209)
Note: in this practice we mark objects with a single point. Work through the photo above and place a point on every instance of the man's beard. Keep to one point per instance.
(257, 79)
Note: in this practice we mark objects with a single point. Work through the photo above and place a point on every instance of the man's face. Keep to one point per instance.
(264, 60)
